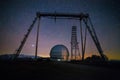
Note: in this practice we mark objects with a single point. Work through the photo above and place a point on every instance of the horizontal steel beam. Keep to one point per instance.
(80, 16)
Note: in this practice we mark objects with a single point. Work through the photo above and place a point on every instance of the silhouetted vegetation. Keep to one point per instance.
(94, 58)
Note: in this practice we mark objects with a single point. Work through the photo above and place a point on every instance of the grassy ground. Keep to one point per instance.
(46, 70)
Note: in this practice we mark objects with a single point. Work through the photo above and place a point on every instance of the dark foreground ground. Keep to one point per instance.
(46, 70)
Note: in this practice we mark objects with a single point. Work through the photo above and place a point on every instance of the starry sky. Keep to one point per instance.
(17, 15)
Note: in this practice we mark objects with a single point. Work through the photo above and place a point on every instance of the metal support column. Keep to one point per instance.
(81, 39)
(37, 38)
(24, 39)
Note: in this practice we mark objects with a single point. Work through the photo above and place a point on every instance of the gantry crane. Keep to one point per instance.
(81, 17)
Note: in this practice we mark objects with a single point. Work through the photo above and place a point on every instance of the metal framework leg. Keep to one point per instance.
(24, 39)
(37, 38)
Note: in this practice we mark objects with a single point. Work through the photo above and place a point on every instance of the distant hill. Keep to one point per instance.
(21, 56)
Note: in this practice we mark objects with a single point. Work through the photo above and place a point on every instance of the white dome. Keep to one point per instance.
(59, 53)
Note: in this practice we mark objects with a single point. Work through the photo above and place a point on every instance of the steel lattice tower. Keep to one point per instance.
(75, 53)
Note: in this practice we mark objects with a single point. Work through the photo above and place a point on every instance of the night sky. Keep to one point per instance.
(17, 15)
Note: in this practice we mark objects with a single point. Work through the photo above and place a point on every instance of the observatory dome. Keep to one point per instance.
(59, 53)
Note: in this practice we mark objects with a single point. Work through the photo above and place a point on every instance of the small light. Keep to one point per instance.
(33, 45)
(58, 60)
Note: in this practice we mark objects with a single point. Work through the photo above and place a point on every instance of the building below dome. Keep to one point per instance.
(59, 53)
